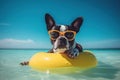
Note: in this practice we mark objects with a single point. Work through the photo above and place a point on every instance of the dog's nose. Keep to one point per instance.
(63, 41)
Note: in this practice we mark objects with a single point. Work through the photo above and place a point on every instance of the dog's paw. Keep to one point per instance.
(72, 54)
(24, 63)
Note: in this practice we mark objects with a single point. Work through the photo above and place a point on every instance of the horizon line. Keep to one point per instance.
(50, 48)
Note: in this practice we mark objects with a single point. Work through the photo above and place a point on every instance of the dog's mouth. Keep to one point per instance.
(61, 50)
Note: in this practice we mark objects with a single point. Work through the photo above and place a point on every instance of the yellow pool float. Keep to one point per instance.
(46, 61)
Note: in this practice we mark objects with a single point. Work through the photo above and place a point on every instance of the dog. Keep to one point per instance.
(63, 37)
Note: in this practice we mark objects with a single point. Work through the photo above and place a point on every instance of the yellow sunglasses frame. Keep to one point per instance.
(62, 33)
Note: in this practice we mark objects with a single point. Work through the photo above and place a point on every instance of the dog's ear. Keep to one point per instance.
(49, 21)
(76, 24)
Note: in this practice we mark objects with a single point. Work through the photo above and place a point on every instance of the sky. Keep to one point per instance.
(22, 23)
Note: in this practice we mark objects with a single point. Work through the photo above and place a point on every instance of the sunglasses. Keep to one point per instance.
(54, 34)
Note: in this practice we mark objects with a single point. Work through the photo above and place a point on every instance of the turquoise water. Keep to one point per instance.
(108, 67)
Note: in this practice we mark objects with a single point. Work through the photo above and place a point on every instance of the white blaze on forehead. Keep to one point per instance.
(62, 28)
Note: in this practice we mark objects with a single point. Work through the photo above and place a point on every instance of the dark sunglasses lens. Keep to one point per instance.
(54, 34)
(69, 35)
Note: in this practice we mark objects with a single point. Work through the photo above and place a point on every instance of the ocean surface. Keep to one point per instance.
(108, 67)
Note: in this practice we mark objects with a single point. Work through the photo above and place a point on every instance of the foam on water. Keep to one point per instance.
(108, 67)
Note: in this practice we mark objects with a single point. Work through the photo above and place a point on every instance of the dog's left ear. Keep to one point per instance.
(76, 24)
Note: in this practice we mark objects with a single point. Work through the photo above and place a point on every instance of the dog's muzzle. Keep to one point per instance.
(61, 44)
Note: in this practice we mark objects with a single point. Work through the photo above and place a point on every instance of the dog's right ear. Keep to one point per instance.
(49, 21)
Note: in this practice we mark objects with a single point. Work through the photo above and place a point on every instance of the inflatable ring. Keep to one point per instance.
(46, 61)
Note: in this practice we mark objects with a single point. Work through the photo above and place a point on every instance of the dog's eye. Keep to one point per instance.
(54, 34)
(69, 35)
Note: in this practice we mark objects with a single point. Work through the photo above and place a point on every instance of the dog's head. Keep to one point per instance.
(62, 36)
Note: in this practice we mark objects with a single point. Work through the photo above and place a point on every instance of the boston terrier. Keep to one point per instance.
(63, 37)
